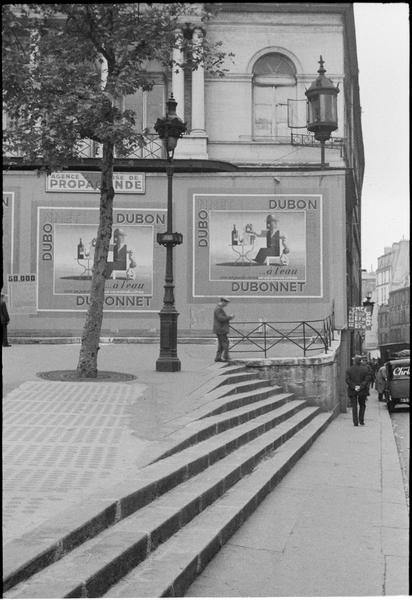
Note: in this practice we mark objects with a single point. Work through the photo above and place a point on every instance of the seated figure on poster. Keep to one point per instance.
(276, 243)
(120, 258)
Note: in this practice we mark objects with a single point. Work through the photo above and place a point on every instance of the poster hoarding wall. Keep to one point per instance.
(257, 246)
(65, 254)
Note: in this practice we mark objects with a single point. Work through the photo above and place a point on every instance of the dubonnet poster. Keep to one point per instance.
(257, 246)
(65, 254)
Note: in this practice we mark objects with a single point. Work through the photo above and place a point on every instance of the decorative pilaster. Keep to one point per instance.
(198, 87)
(178, 79)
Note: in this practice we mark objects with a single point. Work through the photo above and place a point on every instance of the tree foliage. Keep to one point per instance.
(66, 68)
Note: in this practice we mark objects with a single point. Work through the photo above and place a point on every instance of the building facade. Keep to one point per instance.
(247, 162)
(393, 298)
(393, 270)
(394, 323)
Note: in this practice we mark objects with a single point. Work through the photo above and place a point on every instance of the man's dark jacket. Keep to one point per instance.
(4, 315)
(220, 321)
(357, 375)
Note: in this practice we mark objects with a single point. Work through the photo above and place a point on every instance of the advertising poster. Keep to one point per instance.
(255, 246)
(8, 232)
(22, 290)
(66, 246)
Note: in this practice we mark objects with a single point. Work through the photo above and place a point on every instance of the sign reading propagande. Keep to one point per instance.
(257, 245)
(67, 238)
(65, 181)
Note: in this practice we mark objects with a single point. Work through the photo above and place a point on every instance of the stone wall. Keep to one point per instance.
(316, 379)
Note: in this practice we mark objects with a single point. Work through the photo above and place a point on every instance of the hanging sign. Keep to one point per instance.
(357, 318)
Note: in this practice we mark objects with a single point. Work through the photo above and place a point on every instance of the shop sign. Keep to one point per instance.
(359, 318)
(89, 182)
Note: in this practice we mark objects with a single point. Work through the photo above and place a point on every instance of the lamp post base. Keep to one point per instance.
(168, 360)
(168, 364)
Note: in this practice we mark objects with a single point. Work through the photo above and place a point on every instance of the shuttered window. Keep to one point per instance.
(274, 83)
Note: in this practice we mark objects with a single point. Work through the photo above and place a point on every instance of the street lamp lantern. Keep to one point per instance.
(170, 129)
(322, 108)
(368, 304)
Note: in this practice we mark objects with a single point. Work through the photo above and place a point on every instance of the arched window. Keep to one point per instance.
(274, 82)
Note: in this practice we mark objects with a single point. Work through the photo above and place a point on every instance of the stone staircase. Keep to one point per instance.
(184, 506)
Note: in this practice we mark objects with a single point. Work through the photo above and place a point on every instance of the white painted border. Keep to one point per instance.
(74, 310)
(12, 194)
(295, 297)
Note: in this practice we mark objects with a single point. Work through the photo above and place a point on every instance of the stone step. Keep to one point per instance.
(51, 541)
(196, 431)
(221, 404)
(242, 386)
(92, 568)
(239, 376)
(174, 565)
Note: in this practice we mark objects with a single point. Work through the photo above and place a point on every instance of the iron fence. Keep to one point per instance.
(151, 148)
(263, 336)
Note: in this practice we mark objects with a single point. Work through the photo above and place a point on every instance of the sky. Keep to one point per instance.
(382, 37)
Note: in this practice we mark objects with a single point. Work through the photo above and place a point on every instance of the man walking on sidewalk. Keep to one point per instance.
(221, 329)
(380, 383)
(357, 380)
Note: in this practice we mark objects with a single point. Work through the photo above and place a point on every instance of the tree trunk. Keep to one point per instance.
(87, 365)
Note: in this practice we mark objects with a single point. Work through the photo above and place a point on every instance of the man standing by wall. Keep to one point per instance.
(357, 380)
(5, 319)
(221, 329)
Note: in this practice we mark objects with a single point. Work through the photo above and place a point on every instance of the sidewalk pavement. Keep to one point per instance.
(64, 442)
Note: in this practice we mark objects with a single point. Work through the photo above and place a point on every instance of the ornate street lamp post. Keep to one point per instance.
(170, 129)
(322, 116)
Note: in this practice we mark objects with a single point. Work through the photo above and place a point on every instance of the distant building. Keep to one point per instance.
(394, 323)
(368, 284)
(393, 299)
(392, 271)
(370, 343)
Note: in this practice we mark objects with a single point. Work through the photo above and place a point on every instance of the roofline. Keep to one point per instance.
(180, 166)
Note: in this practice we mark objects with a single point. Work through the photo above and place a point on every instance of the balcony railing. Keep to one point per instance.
(152, 148)
(307, 139)
(263, 336)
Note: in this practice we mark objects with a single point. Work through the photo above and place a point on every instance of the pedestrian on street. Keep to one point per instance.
(372, 372)
(380, 383)
(5, 319)
(221, 329)
(357, 380)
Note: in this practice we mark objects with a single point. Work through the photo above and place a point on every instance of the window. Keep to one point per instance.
(274, 82)
(148, 106)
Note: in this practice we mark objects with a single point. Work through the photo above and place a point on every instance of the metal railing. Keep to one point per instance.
(262, 336)
(152, 148)
(307, 139)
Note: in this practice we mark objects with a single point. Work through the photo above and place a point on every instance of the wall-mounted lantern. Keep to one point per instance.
(322, 115)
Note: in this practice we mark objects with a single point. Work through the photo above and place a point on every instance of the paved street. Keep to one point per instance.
(63, 441)
(340, 513)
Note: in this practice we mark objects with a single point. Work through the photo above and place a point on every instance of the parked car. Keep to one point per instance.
(397, 389)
